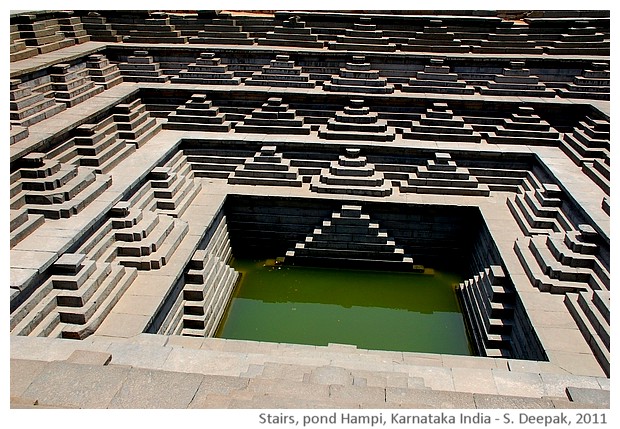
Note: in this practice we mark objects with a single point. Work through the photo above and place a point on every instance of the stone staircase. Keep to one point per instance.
(281, 72)
(440, 124)
(292, 32)
(52, 189)
(591, 312)
(358, 76)
(517, 80)
(102, 72)
(28, 108)
(207, 70)
(356, 122)
(273, 117)
(198, 114)
(222, 31)
(564, 262)
(135, 125)
(539, 211)
(434, 37)
(524, 127)
(140, 67)
(489, 302)
(442, 176)
(364, 36)
(436, 78)
(74, 300)
(267, 167)
(349, 238)
(593, 84)
(209, 283)
(351, 174)
(72, 85)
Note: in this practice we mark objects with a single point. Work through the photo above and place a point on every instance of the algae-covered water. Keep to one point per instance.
(371, 309)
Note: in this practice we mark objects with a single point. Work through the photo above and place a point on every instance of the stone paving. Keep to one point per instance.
(128, 141)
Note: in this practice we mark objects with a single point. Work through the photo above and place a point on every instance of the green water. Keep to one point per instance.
(370, 309)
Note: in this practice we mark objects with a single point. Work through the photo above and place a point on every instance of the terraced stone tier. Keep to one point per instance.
(540, 211)
(434, 37)
(442, 176)
(273, 117)
(357, 76)
(349, 237)
(28, 108)
(99, 29)
(364, 36)
(197, 114)
(281, 72)
(525, 127)
(102, 72)
(222, 31)
(436, 78)
(267, 167)
(292, 32)
(593, 83)
(140, 67)
(517, 81)
(356, 122)
(207, 70)
(351, 174)
(440, 124)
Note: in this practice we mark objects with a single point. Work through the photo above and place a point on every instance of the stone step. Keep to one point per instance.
(594, 335)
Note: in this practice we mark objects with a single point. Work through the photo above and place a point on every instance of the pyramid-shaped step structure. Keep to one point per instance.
(134, 123)
(155, 29)
(594, 83)
(207, 70)
(516, 81)
(580, 39)
(350, 239)
(437, 78)
(273, 117)
(434, 37)
(209, 283)
(292, 32)
(539, 211)
(28, 108)
(174, 187)
(222, 31)
(101, 72)
(198, 114)
(442, 176)
(599, 170)
(99, 29)
(489, 301)
(55, 190)
(591, 312)
(509, 41)
(364, 36)
(281, 72)
(72, 86)
(140, 67)
(74, 300)
(358, 76)
(151, 243)
(440, 124)
(351, 174)
(524, 127)
(555, 263)
(99, 145)
(267, 167)
(356, 122)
